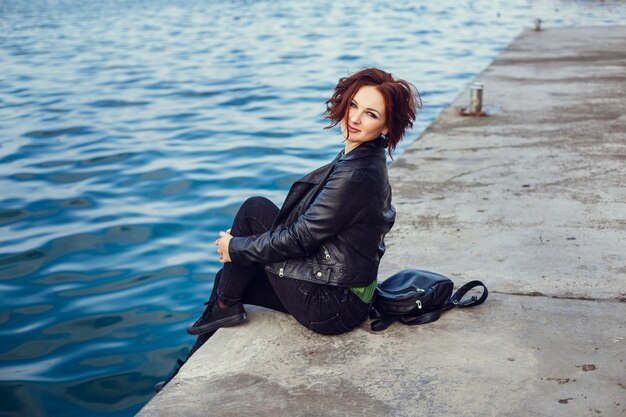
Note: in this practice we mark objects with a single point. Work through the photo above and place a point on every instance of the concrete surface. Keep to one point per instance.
(530, 200)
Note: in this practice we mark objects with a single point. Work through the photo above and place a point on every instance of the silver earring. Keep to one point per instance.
(384, 140)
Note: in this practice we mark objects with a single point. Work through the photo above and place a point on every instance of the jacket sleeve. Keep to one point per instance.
(342, 199)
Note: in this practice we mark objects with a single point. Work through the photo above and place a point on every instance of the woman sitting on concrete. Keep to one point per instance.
(317, 257)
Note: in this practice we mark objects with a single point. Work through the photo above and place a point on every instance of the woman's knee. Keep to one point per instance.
(257, 202)
(255, 215)
(258, 207)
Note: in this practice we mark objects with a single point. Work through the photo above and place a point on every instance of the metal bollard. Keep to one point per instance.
(476, 98)
(537, 25)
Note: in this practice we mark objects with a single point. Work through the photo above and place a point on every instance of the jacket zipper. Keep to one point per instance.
(326, 253)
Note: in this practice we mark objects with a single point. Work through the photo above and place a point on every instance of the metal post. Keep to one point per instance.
(476, 98)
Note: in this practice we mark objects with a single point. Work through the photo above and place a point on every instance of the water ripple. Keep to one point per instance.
(117, 103)
(51, 133)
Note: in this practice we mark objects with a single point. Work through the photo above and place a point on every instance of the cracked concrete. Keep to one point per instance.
(530, 200)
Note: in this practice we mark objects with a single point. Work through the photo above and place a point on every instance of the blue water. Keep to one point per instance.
(131, 130)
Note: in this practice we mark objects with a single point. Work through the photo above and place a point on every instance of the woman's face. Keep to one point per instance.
(365, 119)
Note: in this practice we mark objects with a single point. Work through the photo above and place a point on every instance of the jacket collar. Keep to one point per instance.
(373, 147)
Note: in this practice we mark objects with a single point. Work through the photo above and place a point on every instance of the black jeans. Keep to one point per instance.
(321, 308)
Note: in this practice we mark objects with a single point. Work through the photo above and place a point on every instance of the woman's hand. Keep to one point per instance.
(222, 246)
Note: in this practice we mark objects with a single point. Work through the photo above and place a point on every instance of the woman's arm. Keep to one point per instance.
(342, 199)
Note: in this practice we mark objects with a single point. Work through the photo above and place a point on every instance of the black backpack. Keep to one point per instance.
(413, 297)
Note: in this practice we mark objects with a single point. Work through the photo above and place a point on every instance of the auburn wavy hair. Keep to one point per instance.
(402, 100)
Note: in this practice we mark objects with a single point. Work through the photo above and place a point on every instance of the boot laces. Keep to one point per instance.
(207, 311)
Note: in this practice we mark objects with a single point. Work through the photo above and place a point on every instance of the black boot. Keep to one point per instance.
(215, 317)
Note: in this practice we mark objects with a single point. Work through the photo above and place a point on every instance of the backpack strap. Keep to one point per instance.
(424, 318)
(385, 321)
(382, 323)
(455, 300)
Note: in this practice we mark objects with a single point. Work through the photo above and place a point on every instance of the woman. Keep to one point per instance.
(317, 257)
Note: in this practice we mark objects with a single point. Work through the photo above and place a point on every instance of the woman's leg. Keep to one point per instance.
(322, 308)
(255, 216)
(259, 292)
(224, 308)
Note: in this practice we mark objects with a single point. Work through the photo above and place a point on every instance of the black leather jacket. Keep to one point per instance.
(331, 226)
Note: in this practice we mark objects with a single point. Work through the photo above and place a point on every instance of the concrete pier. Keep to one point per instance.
(531, 200)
